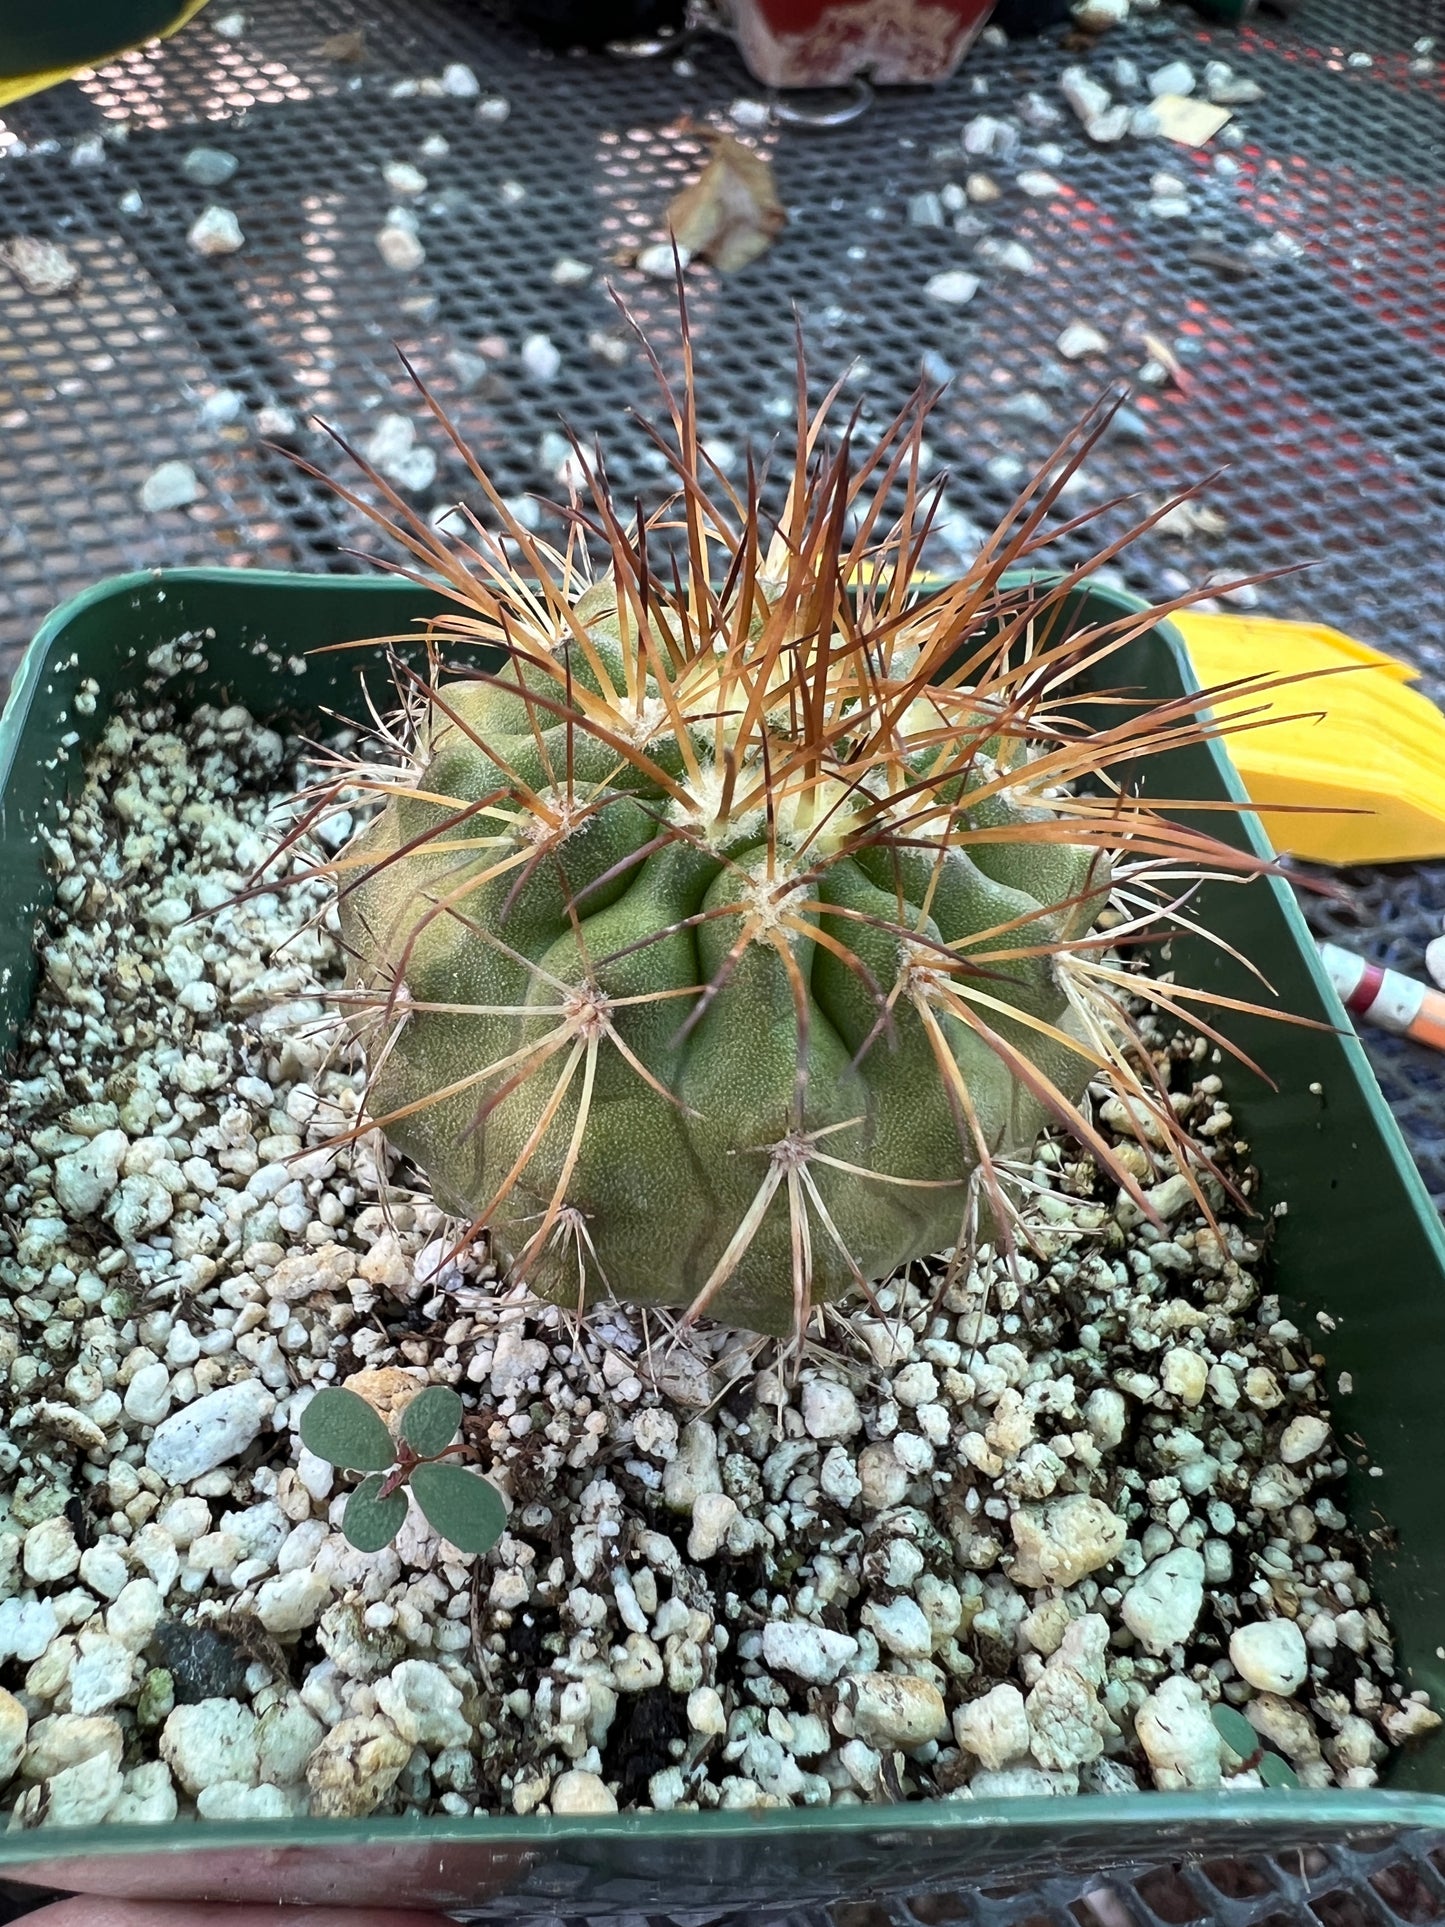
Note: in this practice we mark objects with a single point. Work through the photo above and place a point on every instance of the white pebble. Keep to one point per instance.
(209, 1432)
(1270, 1655)
(423, 1705)
(1178, 1736)
(1088, 98)
(355, 1767)
(1176, 77)
(216, 231)
(27, 1627)
(104, 1569)
(50, 1553)
(656, 260)
(577, 1791)
(1114, 124)
(183, 1519)
(148, 1396)
(515, 1361)
(895, 1709)
(148, 1798)
(213, 1740)
(830, 1410)
(404, 179)
(459, 81)
(234, 1800)
(287, 1734)
(994, 1727)
(137, 1610)
(1228, 89)
(1163, 1605)
(67, 1739)
(1106, 1414)
(811, 1653)
(1058, 1543)
(1184, 1374)
(954, 286)
(883, 1478)
(901, 1627)
(209, 166)
(1080, 338)
(1302, 1438)
(14, 1727)
(82, 1795)
(84, 1179)
(101, 1674)
(693, 1469)
(750, 113)
(393, 450)
(705, 1711)
(293, 1601)
(399, 247)
(541, 357)
(986, 135)
(714, 1515)
(41, 267)
(173, 485)
(916, 1384)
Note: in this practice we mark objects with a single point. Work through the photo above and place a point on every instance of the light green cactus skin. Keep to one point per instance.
(661, 1185)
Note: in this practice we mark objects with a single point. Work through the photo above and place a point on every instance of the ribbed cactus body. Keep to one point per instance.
(615, 910)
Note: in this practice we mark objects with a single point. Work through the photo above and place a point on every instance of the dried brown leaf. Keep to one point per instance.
(731, 213)
(344, 47)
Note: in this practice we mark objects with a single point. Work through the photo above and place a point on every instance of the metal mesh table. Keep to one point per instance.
(1300, 296)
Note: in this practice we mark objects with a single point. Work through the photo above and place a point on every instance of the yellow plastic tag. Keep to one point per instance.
(1363, 742)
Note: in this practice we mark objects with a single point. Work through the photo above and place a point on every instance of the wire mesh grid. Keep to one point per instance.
(1387, 1882)
(1371, 1884)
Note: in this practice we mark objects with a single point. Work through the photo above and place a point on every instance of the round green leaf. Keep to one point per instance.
(431, 1421)
(370, 1521)
(460, 1504)
(342, 1429)
(1235, 1730)
(1277, 1772)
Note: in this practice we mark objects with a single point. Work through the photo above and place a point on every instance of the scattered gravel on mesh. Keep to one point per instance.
(1013, 1533)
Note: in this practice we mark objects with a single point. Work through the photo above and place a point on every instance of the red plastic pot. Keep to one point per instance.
(827, 43)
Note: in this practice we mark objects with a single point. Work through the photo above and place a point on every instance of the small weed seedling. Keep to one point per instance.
(343, 1429)
(1241, 1739)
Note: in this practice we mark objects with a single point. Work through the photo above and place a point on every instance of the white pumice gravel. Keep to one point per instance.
(209, 166)
(953, 286)
(1016, 1531)
(1081, 338)
(394, 451)
(173, 485)
(399, 245)
(216, 231)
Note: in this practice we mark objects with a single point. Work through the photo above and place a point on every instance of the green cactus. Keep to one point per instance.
(729, 929)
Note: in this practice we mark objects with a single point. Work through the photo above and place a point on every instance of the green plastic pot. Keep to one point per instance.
(41, 44)
(1359, 1241)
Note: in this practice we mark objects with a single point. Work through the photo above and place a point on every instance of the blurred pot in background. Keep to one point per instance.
(591, 23)
(827, 43)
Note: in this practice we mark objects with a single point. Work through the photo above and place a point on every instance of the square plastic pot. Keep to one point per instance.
(827, 43)
(1358, 1240)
